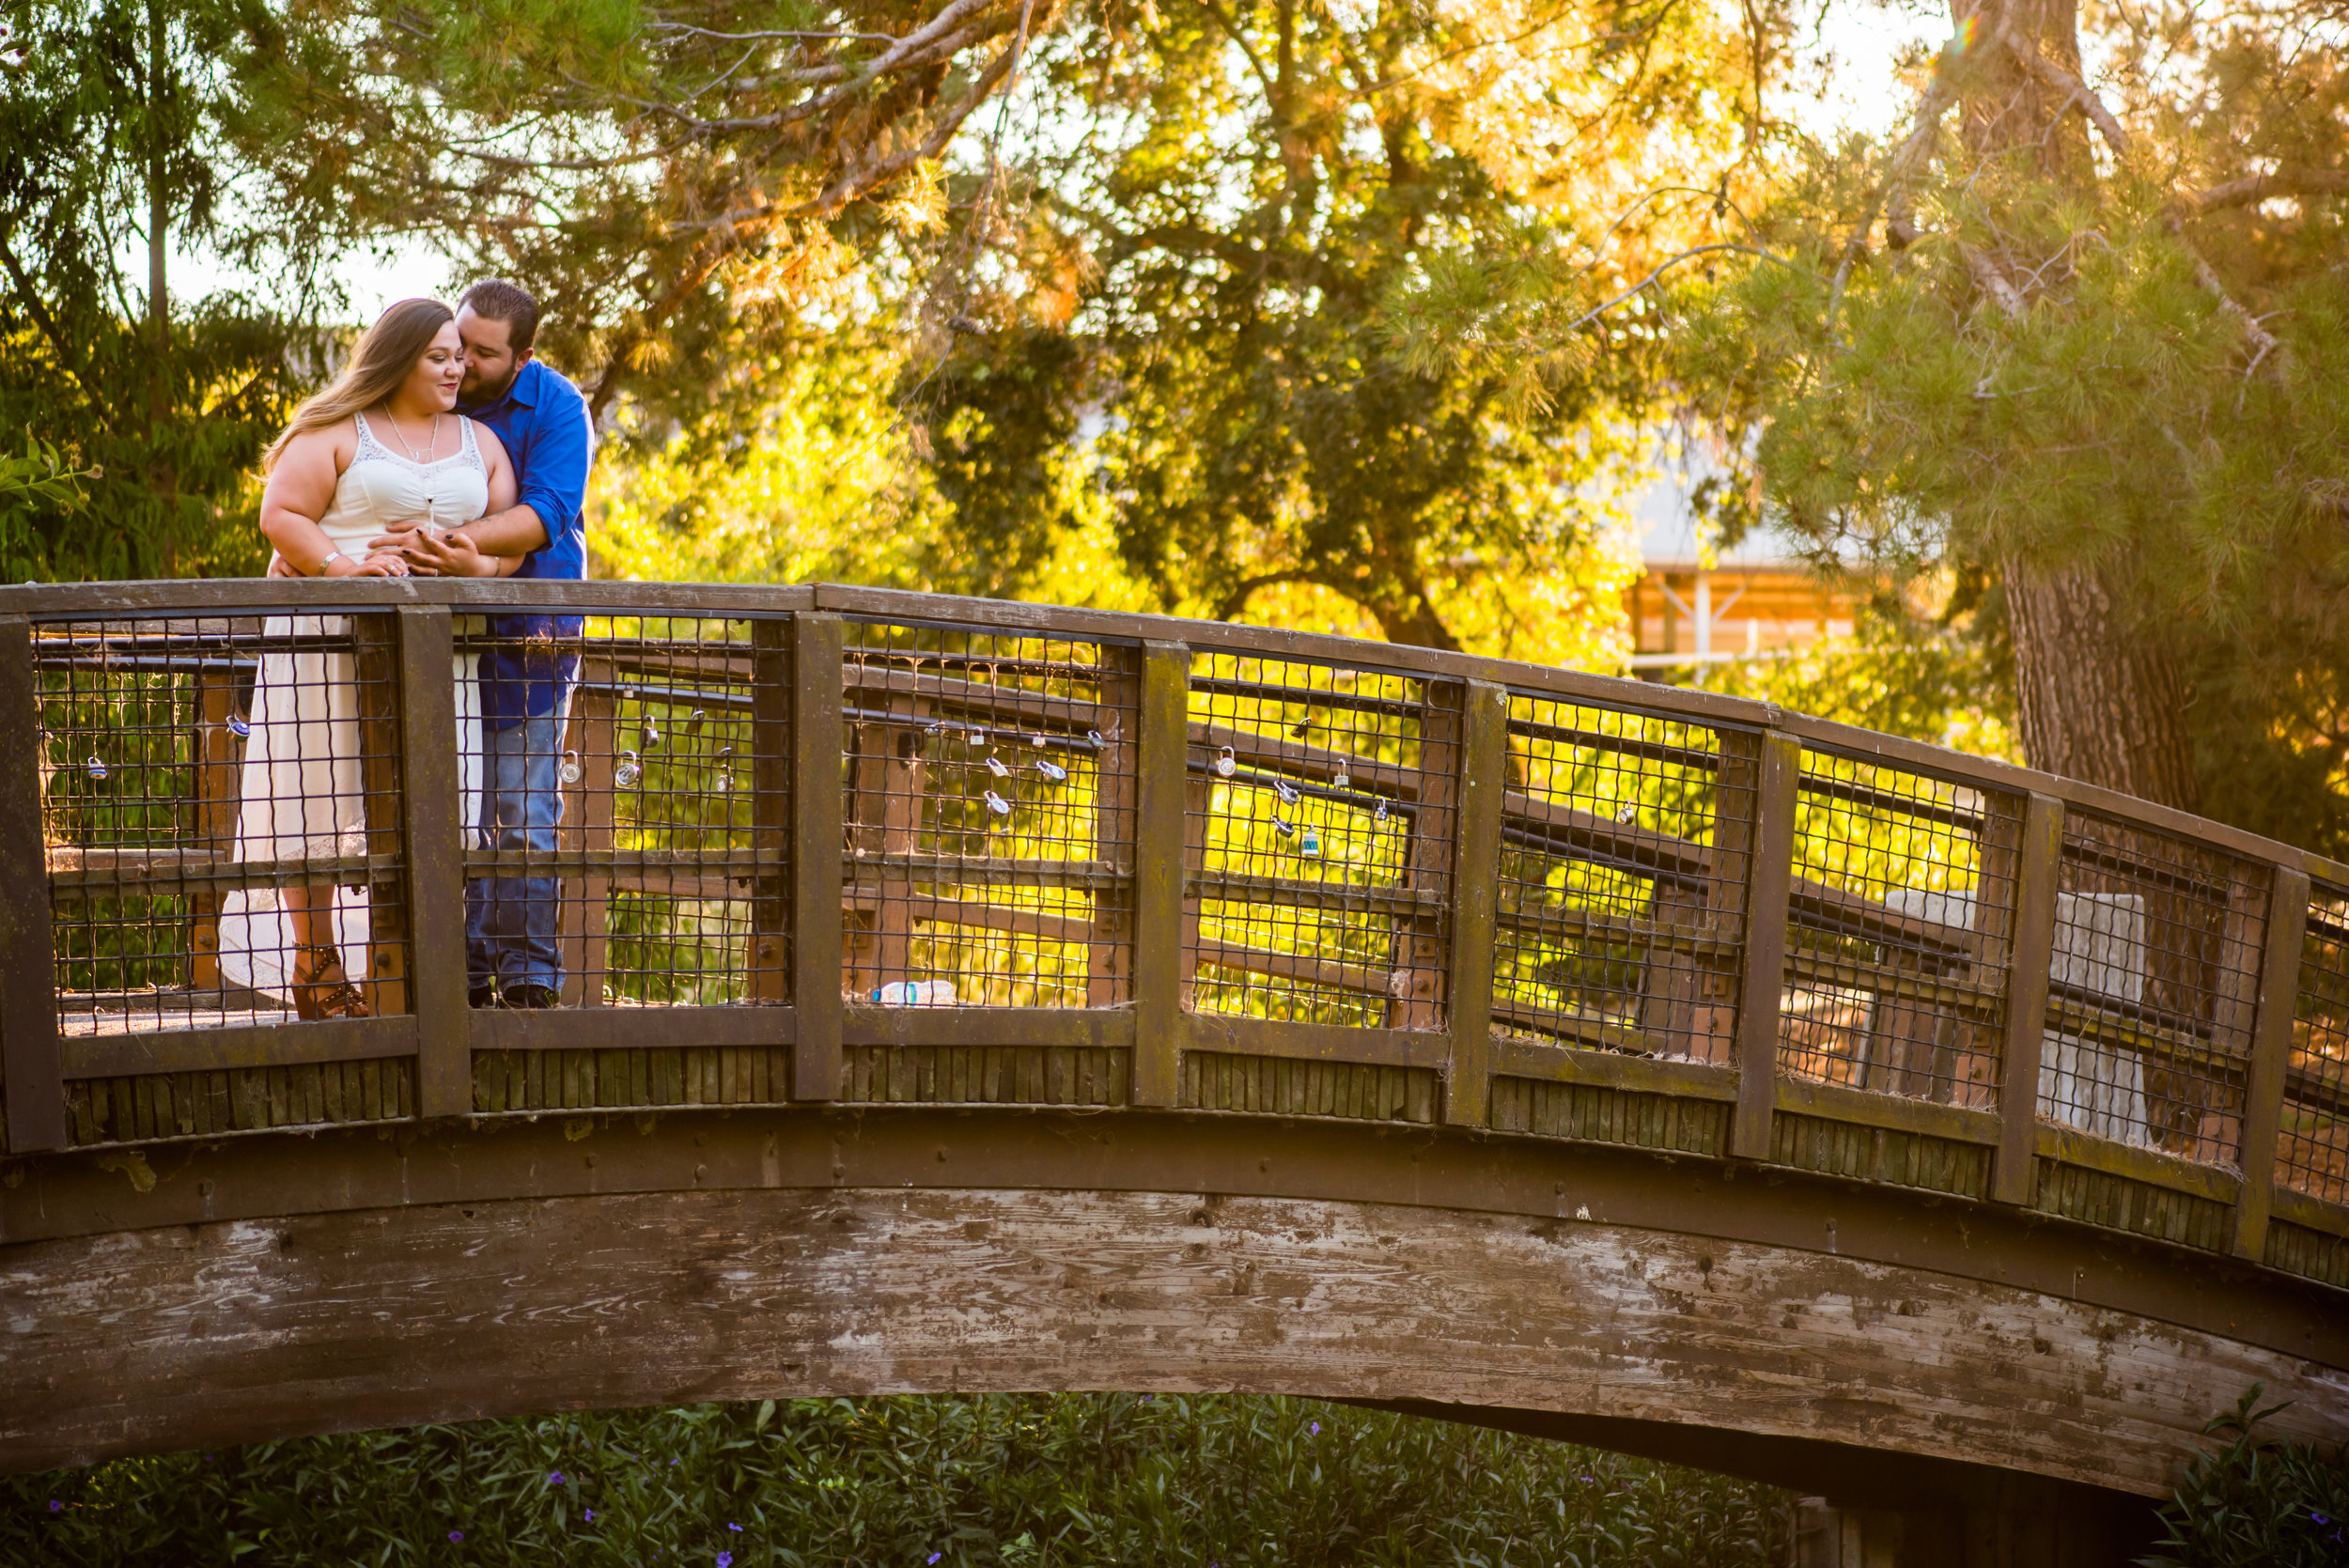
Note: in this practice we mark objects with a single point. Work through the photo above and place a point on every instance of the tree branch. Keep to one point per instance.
(2255, 187)
(1925, 126)
(2054, 75)
(1994, 282)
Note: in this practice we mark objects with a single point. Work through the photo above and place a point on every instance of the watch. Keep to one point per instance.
(328, 559)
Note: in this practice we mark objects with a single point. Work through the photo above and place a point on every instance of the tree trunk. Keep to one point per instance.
(2101, 700)
(160, 477)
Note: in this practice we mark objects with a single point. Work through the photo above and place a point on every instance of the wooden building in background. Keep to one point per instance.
(1757, 597)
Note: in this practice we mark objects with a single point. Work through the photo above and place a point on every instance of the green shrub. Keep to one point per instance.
(2258, 1502)
(952, 1482)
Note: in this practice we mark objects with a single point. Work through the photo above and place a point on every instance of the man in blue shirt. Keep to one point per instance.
(531, 663)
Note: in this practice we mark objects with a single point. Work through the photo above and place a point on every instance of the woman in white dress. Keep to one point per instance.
(377, 448)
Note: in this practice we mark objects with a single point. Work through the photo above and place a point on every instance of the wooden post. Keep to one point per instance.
(436, 860)
(216, 756)
(817, 843)
(1110, 956)
(1769, 883)
(587, 823)
(884, 818)
(1482, 781)
(1162, 833)
(1431, 858)
(2039, 859)
(376, 668)
(32, 1074)
(2271, 1058)
(771, 821)
(2217, 1130)
(1712, 1012)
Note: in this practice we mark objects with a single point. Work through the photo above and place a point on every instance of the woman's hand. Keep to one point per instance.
(383, 563)
(452, 553)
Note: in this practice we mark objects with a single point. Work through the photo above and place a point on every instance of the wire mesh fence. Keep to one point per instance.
(1899, 914)
(224, 798)
(622, 805)
(990, 814)
(220, 812)
(2152, 988)
(1623, 864)
(2312, 1152)
(1320, 804)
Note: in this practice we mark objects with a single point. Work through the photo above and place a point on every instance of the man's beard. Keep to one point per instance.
(482, 391)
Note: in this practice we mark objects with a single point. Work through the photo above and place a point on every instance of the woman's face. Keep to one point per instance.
(432, 385)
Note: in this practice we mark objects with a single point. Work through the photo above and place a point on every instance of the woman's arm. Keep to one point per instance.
(299, 489)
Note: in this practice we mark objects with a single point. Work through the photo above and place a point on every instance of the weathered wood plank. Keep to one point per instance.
(31, 1075)
(817, 843)
(2277, 1002)
(1474, 887)
(436, 875)
(1768, 885)
(426, 1314)
(1162, 827)
(2038, 861)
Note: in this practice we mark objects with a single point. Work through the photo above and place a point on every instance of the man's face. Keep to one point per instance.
(490, 361)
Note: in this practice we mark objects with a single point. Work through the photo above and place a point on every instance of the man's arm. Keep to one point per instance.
(516, 531)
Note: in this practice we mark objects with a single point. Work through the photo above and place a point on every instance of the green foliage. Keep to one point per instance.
(1940, 682)
(2048, 367)
(684, 186)
(1223, 199)
(119, 116)
(955, 1480)
(2259, 1501)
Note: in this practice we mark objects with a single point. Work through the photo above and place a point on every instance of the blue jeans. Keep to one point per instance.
(510, 921)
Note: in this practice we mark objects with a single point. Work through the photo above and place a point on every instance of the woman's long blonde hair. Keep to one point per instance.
(385, 354)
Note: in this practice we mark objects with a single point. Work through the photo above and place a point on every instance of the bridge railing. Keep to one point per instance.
(839, 844)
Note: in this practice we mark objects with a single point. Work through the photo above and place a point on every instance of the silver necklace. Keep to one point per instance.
(432, 443)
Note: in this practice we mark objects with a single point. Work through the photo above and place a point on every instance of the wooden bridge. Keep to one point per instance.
(965, 995)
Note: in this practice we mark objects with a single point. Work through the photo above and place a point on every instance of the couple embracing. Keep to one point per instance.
(444, 448)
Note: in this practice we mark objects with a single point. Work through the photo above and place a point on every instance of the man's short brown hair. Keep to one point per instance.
(496, 300)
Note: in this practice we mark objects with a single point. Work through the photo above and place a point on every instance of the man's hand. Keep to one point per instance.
(434, 553)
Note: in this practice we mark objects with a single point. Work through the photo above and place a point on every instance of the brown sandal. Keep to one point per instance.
(322, 989)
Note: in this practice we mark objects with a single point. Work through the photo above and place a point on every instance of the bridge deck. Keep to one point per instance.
(1143, 864)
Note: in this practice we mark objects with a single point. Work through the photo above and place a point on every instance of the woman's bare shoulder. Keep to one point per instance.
(335, 443)
(492, 450)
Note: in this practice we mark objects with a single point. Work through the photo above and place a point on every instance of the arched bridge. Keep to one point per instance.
(964, 995)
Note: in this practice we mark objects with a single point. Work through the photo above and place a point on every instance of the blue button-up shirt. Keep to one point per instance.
(543, 422)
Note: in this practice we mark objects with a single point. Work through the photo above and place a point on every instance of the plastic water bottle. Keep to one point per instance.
(916, 993)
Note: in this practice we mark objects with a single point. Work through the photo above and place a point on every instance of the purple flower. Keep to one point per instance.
(732, 1526)
(590, 1515)
(457, 1536)
(725, 1559)
(555, 1477)
(932, 1557)
(1316, 1429)
(2320, 1518)
(56, 1507)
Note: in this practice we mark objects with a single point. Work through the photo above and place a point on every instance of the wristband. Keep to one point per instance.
(329, 559)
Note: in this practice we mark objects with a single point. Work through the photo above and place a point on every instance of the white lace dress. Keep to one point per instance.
(303, 790)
